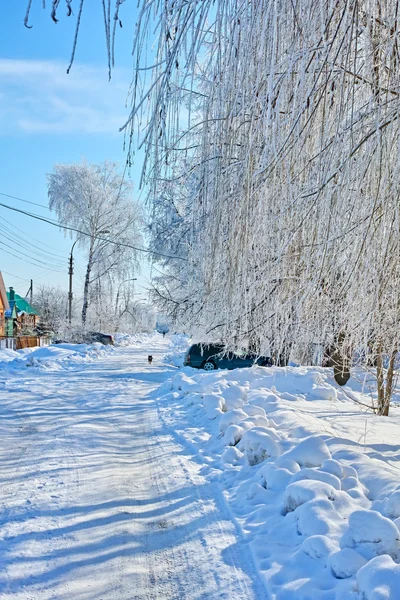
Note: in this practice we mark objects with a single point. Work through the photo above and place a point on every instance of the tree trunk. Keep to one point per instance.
(86, 286)
(384, 392)
(380, 380)
(341, 358)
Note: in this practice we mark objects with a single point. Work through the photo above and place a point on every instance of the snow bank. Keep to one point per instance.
(54, 357)
(136, 340)
(179, 343)
(311, 477)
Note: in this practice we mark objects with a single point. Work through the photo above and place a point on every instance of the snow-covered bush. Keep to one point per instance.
(371, 534)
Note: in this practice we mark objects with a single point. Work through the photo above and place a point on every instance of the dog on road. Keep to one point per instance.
(149, 359)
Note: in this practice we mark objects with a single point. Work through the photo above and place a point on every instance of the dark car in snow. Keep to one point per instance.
(216, 356)
(95, 336)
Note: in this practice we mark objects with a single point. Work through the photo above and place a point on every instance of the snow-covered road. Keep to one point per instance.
(100, 501)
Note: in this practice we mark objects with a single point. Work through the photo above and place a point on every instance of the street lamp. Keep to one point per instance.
(119, 287)
(71, 272)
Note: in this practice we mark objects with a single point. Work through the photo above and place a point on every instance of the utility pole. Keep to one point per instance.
(70, 273)
(30, 293)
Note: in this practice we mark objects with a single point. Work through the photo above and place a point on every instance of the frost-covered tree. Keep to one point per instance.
(272, 161)
(96, 201)
(51, 303)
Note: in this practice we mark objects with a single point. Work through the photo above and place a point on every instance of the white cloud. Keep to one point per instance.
(39, 97)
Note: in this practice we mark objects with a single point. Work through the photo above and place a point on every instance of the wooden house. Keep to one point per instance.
(22, 318)
(4, 305)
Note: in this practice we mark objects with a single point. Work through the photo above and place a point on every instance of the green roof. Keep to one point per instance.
(23, 305)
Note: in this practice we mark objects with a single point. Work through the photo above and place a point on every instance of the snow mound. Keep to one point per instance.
(213, 405)
(253, 410)
(232, 417)
(323, 393)
(234, 396)
(231, 456)
(392, 508)
(300, 492)
(349, 471)
(318, 546)
(234, 433)
(311, 452)
(258, 444)
(273, 477)
(317, 475)
(345, 563)
(332, 466)
(371, 534)
(379, 579)
(186, 385)
(287, 463)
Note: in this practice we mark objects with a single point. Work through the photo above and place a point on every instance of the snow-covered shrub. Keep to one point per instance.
(346, 562)
(231, 418)
(310, 452)
(371, 534)
(287, 463)
(300, 492)
(234, 433)
(185, 384)
(259, 443)
(332, 466)
(318, 546)
(379, 579)
(323, 393)
(252, 410)
(273, 477)
(234, 396)
(392, 505)
(231, 456)
(213, 405)
(317, 475)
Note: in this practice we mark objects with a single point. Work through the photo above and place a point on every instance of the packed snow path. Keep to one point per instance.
(100, 501)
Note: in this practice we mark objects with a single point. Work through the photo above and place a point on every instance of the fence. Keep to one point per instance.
(10, 343)
(23, 341)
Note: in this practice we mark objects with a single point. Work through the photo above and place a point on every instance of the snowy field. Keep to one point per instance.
(122, 481)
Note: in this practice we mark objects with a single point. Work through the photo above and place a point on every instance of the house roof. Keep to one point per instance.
(11, 313)
(3, 293)
(22, 305)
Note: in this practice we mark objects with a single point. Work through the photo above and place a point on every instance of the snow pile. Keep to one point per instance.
(135, 340)
(7, 355)
(303, 472)
(179, 343)
(54, 357)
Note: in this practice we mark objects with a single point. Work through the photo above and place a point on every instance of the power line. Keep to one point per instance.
(57, 254)
(12, 275)
(32, 248)
(35, 264)
(22, 200)
(102, 239)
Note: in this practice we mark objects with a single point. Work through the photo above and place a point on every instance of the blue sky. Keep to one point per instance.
(48, 117)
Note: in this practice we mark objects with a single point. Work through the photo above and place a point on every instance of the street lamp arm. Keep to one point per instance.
(119, 287)
(73, 246)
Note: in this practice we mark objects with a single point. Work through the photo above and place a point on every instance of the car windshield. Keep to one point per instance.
(241, 353)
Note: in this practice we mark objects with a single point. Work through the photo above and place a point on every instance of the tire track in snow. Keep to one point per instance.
(134, 518)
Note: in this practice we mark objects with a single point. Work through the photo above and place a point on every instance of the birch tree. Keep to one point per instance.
(96, 201)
